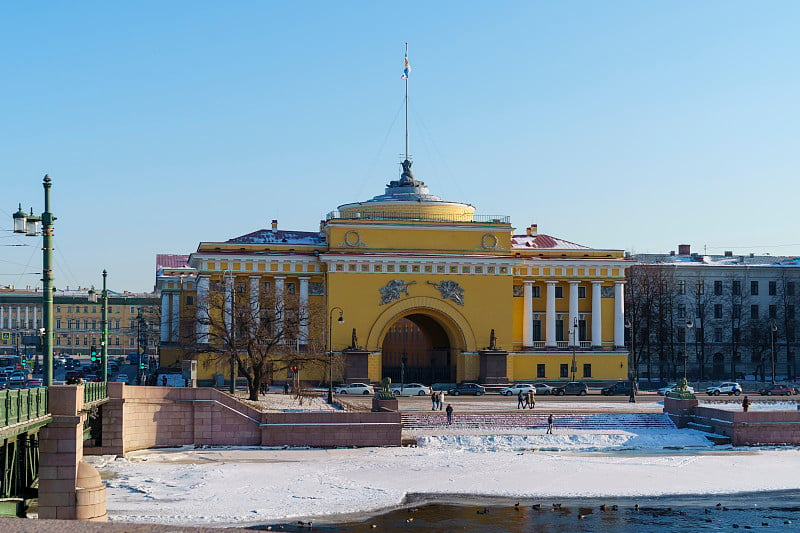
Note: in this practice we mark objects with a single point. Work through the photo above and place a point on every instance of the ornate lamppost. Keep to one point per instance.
(773, 328)
(689, 325)
(28, 224)
(330, 349)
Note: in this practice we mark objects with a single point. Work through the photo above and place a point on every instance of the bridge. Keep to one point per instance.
(25, 415)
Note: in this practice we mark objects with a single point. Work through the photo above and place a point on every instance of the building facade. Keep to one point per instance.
(77, 322)
(411, 287)
(723, 316)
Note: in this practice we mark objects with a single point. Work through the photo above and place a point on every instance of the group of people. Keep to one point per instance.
(526, 400)
(437, 400)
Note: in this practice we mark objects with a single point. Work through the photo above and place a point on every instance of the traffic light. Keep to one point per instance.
(94, 353)
(293, 368)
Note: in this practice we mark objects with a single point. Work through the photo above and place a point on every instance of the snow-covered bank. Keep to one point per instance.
(226, 486)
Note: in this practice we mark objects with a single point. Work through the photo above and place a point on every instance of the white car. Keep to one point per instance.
(355, 388)
(726, 387)
(671, 387)
(515, 389)
(543, 388)
(411, 389)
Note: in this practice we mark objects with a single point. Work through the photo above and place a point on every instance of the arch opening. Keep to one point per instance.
(417, 348)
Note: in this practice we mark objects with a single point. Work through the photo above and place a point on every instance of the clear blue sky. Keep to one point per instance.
(633, 125)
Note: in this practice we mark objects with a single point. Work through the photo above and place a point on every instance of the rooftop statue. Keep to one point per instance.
(407, 176)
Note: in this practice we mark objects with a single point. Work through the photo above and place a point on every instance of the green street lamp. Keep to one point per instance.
(103, 324)
(28, 224)
(330, 349)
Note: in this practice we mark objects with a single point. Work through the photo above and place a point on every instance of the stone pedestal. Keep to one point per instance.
(356, 366)
(493, 366)
(680, 409)
(379, 404)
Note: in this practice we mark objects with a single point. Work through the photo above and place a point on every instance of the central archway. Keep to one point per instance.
(417, 348)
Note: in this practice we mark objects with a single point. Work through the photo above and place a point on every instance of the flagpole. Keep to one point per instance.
(406, 106)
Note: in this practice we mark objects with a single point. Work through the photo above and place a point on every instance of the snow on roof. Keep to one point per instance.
(541, 241)
(171, 261)
(276, 236)
(718, 260)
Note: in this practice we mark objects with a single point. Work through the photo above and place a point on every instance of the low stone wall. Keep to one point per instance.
(145, 417)
(744, 429)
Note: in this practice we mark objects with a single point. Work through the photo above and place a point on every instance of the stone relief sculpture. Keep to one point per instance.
(391, 291)
(450, 290)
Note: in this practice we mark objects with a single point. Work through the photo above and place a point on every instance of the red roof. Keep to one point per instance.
(167, 261)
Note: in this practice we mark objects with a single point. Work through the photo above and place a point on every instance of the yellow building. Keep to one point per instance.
(426, 288)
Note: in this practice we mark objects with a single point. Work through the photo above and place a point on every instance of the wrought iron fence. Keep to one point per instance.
(95, 391)
(22, 405)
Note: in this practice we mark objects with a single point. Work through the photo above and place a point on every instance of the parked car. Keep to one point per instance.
(543, 388)
(355, 388)
(467, 388)
(726, 387)
(4, 382)
(515, 389)
(671, 387)
(411, 389)
(778, 389)
(573, 387)
(34, 383)
(620, 387)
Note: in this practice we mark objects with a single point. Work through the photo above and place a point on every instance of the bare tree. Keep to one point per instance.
(261, 337)
(787, 298)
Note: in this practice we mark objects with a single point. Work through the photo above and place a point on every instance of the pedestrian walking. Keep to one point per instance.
(550, 424)
(441, 400)
(745, 404)
(286, 387)
(521, 400)
(532, 399)
(449, 412)
(434, 399)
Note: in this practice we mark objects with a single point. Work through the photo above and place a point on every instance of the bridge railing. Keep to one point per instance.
(94, 391)
(22, 405)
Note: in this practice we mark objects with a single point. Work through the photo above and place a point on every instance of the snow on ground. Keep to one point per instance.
(736, 405)
(255, 485)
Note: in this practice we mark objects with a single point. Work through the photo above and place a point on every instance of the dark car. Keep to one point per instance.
(778, 390)
(620, 387)
(467, 388)
(573, 387)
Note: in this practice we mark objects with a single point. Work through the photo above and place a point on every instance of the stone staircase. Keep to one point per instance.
(531, 420)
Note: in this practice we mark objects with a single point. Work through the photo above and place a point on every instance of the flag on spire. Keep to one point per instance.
(406, 67)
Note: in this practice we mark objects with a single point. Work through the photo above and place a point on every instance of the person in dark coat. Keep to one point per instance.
(550, 424)
(521, 400)
(449, 412)
(745, 404)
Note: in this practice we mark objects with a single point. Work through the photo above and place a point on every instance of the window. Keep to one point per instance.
(537, 291)
(94, 324)
(559, 291)
(754, 312)
(736, 287)
(86, 324)
(564, 370)
(717, 334)
(189, 301)
(77, 309)
(737, 311)
(581, 330)
(58, 323)
(559, 330)
(540, 373)
(790, 312)
(681, 311)
(754, 288)
(58, 309)
(790, 337)
(717, 310)
(773, 311)
(681, 335)
(86, 309)
(133, 309)
(700, 287)
(790, 288)
(537, 330)
(116, 341)
(587, 370)
(267, 285)
(718, 287)
(681, 287)
(290, 287)
(773, 288)
(69, 323)
(581, 291)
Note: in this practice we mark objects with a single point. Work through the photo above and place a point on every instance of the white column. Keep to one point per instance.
(550, 318)
(202, 327)
(164, 337)
(255, 297)
(619, 314)
(36, 317)
(228, 311)
(19, 317)
(573, 313)
(2, 317)
(527, 313)
(27, 317)
(280, 307)
(175, 328)
(304, 310)
(597, 313)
